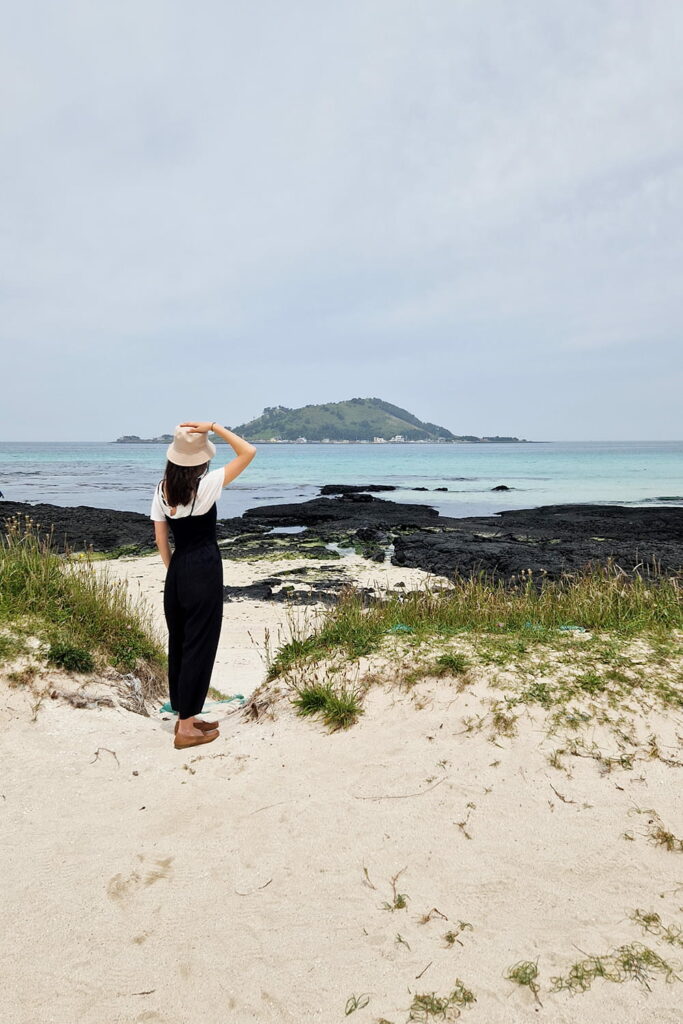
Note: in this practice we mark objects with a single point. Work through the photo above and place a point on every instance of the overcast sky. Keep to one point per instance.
(469, 208)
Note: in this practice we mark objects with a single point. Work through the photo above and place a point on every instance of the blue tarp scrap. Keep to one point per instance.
(209, 704)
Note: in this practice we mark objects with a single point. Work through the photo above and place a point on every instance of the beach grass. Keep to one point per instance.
(525, 973)
(83, 618)
(339, 707)
(591, 649)
(452, 936)
(631, 962)
(399, 900)
(529, 611)
(429, 1006)
(651, 922)
(355, 1002)
(451, 663)
(661, 836)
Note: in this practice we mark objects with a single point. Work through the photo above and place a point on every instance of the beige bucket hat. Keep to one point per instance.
(189, 448)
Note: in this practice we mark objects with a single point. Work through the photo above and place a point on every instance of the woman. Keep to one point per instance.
(185, 500)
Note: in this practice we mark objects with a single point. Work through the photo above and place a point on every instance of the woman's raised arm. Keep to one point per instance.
(244, 451)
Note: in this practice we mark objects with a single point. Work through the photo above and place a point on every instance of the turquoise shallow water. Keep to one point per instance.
(123, 476)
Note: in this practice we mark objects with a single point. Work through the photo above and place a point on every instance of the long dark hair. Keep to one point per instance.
(180, 482)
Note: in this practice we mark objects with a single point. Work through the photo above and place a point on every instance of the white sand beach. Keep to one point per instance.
(378, 303)
(248, 880)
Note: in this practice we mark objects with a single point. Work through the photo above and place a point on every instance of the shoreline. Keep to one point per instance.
(549, 539)
(445, 440)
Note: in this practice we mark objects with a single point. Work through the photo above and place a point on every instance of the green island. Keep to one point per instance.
(360, 420)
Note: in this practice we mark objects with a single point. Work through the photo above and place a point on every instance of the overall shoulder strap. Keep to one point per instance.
(196, 490)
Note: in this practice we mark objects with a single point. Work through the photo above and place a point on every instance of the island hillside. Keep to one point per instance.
(358, 419)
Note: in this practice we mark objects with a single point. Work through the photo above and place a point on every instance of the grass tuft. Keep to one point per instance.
(658, 834)
(86, 617)
(399, 900)
(525, 973)
(354, 1003)
(74, 659)
(651, 922)
(339, 708)
(428, 1006)
(451, 937)
(311, 700)
(633, 962)
(591, 682)
(661, 836)
(451, 663)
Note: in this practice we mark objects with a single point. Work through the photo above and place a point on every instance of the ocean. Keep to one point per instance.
(123, 476)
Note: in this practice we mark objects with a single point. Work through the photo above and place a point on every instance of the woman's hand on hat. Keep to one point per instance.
(198, 428)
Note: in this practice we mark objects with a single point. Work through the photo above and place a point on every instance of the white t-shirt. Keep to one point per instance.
(208, 491)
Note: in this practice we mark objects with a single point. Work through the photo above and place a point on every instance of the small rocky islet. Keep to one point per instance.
(551, 539)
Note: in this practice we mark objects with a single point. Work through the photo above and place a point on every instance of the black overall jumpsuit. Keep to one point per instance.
(193, 606)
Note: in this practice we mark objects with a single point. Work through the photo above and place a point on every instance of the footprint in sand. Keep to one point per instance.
(122, 888)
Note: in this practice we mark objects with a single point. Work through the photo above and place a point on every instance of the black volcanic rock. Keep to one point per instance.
(349, 511)
(102, 529)
(658, 524)
(260, 591)
(553, 538)
(370, 533)
(317, 591)
(351, 488)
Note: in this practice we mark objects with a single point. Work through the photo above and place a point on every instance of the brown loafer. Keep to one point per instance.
(204, 726)
(180, 742)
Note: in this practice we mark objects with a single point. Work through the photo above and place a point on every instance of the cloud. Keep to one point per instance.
(464, 181)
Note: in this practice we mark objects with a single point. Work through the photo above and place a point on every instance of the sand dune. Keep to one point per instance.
(248, 880)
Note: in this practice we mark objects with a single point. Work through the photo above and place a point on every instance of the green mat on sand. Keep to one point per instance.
(209, 704)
